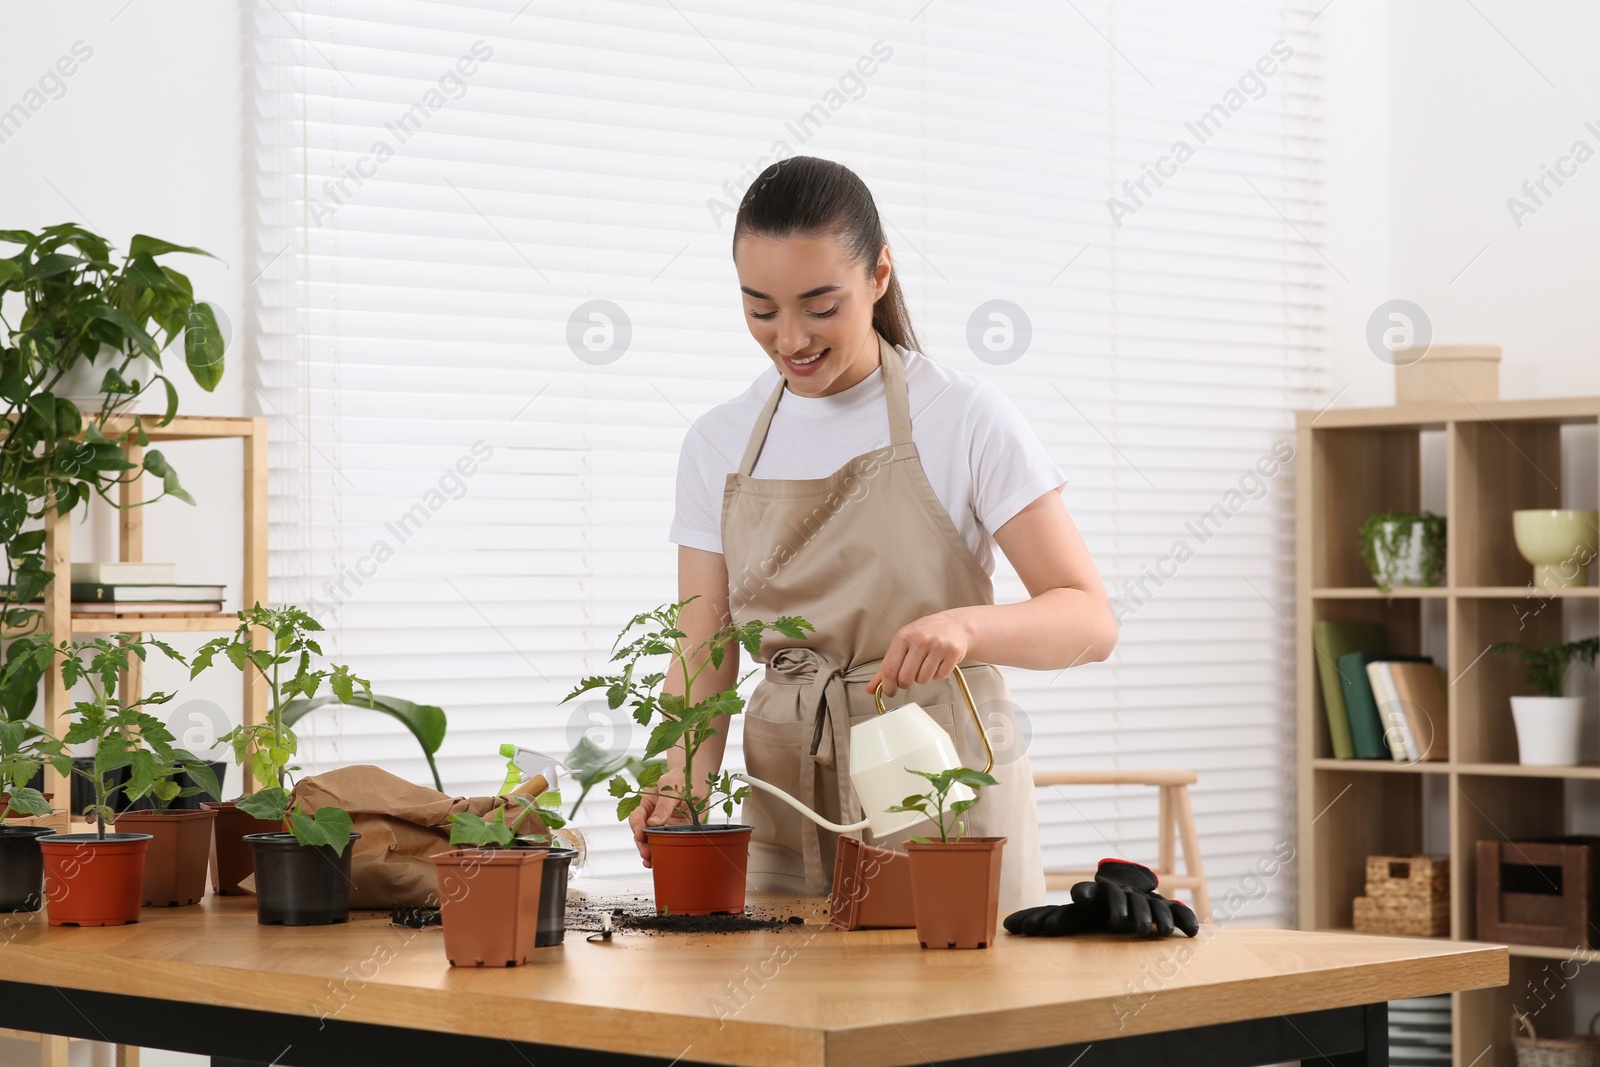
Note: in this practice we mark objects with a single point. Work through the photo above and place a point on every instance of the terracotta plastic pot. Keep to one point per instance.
(956, 888)
(22, 867)
(300, 885)
(231, 859)
(490, 901)
(94, 881)
(871, 888)
(699, 870)
(180, 854)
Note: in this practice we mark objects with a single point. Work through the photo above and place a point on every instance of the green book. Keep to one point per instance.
(1366, 724)
(1332, 640)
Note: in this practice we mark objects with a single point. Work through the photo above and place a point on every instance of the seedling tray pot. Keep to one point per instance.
(699, 870)
(300, 885)
(490, 898)
(22, 867)
(180, 852)
(956, 889)
(871, 888)
(94, 881)
(231, 859)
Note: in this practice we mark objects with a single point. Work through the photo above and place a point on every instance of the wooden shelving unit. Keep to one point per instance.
(1498, 457)
(58, 617)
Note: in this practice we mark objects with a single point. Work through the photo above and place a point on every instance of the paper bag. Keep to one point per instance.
(401, 825)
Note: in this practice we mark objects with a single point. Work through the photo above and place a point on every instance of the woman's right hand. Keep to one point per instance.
(657, 811)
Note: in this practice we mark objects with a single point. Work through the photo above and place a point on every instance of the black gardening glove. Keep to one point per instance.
(1122, 899)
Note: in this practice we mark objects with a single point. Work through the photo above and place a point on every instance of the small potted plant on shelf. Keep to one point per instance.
(24, 749)
(1404, 548)
(490, 890)
(180, 838)
(1549, 724)
(98, 879)
(955, 881)
(302, 873)
(698, 867)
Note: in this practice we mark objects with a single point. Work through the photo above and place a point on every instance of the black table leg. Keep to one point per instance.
(1376, 1054)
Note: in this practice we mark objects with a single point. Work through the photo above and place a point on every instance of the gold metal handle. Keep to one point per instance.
(961, 679)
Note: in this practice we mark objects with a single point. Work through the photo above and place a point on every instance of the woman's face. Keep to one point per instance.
(810, 307)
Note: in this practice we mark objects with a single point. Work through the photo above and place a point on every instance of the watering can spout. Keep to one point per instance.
(826, 824)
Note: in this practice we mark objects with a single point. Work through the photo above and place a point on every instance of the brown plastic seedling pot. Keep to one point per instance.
(94, 881)
(231, 859)
(871, 888)
(490, 903)
(956, 889)
(180, 854)
(699, 870)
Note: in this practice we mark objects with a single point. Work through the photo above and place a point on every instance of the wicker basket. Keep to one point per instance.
(1577, 1050)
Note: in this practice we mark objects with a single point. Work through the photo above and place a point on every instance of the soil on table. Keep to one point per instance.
(636, 913)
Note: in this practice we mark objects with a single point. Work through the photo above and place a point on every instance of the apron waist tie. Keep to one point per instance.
(825, 711)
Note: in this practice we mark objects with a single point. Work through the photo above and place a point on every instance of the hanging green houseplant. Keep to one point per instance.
(1388, 548)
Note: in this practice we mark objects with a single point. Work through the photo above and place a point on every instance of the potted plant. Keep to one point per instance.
(955, 881)
(24, 748)
(98, 879)
(180, 838)
(254, 825)
(1404, 548)
(698, 867)
(1549, 724)
(83, 316)
(490, 891)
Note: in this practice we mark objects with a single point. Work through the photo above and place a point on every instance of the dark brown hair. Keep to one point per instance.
(818, 197)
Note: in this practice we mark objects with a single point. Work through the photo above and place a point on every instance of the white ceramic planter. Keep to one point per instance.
(1404, 569)
(1548, 729)
(81, 382)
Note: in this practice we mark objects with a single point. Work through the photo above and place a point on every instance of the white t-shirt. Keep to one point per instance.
(983, 459)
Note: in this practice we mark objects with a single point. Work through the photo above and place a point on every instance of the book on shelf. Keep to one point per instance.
(114, 572)
(1367, 729)
(1332, 640)
(1420, 690)
(1396, 726)
(142, 592)
(153, 607)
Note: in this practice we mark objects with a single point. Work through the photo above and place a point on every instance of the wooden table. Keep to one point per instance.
(209, 980)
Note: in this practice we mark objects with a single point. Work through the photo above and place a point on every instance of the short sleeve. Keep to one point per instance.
(697, 521)
(1010, 466)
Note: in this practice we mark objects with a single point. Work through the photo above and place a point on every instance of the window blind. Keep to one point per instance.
(445, 195)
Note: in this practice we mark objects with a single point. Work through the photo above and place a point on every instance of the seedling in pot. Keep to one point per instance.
(269, 748)
(124, 735)
(935, 805)
(678, 724)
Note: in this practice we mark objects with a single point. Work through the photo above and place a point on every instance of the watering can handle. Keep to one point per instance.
(802, 809)
(988, 752)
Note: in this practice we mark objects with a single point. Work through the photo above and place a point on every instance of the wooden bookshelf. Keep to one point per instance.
(58, 617)
(1497, 457)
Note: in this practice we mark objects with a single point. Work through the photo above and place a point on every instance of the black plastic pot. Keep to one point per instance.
(22, 867)
(553, 897)
(300, 885)
(189, 803)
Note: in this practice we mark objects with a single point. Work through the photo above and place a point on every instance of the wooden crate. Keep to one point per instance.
(1405, 895)
(1538, 892)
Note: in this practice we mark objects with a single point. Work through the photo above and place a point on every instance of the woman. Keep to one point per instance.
(873, 487)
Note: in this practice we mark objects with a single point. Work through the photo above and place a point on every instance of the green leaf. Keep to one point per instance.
(155, 461)
(143, 245)
(426, 722)
(329, 826)
(469, 829)
(202, 346)
(131, 329)
(19, 686)
(204, 778)
(28, 801)
(271, 803)
(10, 271)
(626, 805)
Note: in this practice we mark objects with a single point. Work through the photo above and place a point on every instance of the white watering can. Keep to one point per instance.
(881, 750)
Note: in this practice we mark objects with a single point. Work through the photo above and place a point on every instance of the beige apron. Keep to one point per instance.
(858, 554)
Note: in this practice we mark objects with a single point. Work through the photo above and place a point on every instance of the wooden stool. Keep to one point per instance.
(1176, 817)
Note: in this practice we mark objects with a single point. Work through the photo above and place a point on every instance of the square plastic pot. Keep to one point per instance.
(490, 903)
(180, 854)
(956, 890)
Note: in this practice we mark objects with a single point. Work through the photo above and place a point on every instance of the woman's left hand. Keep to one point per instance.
(922, 651)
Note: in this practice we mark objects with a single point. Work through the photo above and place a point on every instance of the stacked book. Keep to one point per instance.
(139, 589)
(1380, 705)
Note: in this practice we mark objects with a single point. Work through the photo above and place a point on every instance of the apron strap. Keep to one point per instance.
(894, 387)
